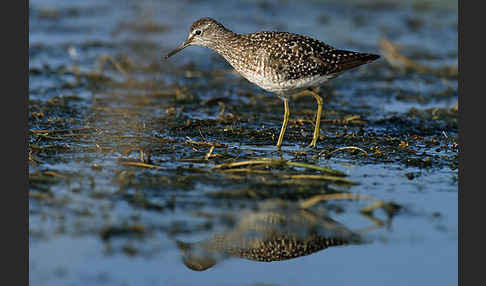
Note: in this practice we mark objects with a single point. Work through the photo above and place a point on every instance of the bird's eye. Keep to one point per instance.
(198, 32)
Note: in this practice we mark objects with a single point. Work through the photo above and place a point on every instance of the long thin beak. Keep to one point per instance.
(178, 49)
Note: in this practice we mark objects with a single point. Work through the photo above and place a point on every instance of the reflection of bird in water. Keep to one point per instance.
(268, 235)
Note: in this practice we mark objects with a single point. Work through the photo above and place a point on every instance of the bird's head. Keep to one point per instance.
(203, 32)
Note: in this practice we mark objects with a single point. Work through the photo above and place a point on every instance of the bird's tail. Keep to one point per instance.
(347, 60)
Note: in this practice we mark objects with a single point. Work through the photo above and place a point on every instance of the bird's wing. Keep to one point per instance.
(292, 56)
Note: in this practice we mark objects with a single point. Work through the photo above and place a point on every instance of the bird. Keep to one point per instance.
(283, 63)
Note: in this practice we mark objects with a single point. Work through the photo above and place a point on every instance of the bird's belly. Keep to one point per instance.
(285, 87)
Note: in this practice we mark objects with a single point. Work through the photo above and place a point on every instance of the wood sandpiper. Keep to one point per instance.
(279, 62)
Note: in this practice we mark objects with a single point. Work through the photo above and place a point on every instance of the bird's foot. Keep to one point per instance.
(312, 145)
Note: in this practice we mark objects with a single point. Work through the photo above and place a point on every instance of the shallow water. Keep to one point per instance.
(94, 220)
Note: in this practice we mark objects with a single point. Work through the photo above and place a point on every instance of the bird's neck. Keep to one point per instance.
(225, 43)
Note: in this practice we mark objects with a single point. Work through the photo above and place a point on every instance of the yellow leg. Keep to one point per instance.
(284, 123)
(318, 115)
(318, 119)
